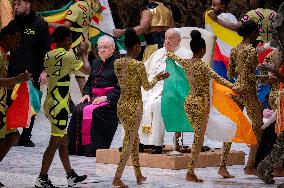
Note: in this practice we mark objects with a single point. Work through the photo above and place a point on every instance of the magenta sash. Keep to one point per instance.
(88, 111)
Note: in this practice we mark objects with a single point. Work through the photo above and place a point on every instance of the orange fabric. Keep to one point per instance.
(226, 106)
(279, 126)
(18, 114)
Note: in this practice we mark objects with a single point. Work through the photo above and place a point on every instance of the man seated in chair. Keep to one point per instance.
(94, 121)
(152, 130)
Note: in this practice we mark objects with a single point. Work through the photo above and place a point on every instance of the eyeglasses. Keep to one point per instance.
(102, 47)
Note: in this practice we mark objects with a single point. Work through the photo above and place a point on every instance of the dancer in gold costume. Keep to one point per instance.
(243, 63)
(131, 76)
(197, 105)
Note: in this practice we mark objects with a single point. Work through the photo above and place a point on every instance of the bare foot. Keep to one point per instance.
(224, 172)
(140, 179)
(250, 171)
(278, 172)
(193, 177)
(118, 183)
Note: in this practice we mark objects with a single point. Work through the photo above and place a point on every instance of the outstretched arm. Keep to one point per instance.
(66, 24)
(11, 82)
(228, 25)
(144, 25)
(232, 66)
(215, 76)
(144, 80)
(182, 62)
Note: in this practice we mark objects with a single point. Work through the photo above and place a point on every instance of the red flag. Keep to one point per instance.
(18, 114)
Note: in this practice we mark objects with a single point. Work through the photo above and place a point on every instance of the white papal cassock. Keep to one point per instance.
(152, 129)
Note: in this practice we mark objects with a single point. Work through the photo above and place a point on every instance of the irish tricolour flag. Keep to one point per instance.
(227, 122)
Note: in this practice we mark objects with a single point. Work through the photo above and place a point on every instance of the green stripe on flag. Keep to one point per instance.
(120, 43)
(35, 97)
(175, 91)
(52, 12)
(95, 39)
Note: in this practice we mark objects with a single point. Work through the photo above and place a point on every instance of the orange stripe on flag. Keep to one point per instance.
(226, 106)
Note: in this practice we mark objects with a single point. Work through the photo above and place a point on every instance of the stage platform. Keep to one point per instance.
(206, 159)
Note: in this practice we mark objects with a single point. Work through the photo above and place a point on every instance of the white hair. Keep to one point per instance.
(175, 31)
(107, 39)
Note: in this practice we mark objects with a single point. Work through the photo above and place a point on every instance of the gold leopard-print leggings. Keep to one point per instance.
(254, 112)
(197, 109)
(130, 114)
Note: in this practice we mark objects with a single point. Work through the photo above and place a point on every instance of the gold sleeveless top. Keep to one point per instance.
(161, 15)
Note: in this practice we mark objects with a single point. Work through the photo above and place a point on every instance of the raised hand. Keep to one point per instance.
(23, 77)
(43, 78)
(118, 32)
(85, 98)
(163, 75)
(83, 48)
(212, 15)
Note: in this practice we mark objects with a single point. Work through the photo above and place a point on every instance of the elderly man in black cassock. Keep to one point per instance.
(94, 121)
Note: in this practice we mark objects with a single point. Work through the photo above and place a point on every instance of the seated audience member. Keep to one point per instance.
(94, 121)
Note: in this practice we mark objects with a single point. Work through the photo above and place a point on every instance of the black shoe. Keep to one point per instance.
(141, 147)
(44, 182)
(2, 185)
(73, 178)
(25, 142)
(205, 148)
(157, 150)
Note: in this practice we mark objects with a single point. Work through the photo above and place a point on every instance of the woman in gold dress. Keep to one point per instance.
(197, 105)
(131, 76)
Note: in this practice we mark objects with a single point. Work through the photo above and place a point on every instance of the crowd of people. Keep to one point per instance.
(128, 89)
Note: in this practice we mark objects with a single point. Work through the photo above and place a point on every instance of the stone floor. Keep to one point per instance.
(22, 165)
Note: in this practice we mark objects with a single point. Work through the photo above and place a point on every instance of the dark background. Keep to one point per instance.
(186, 12)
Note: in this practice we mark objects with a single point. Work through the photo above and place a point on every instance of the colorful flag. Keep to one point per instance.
(227, 122)
(175, 91)
(18, 114)
(226, 40)
(101, 24)
(27, 102)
